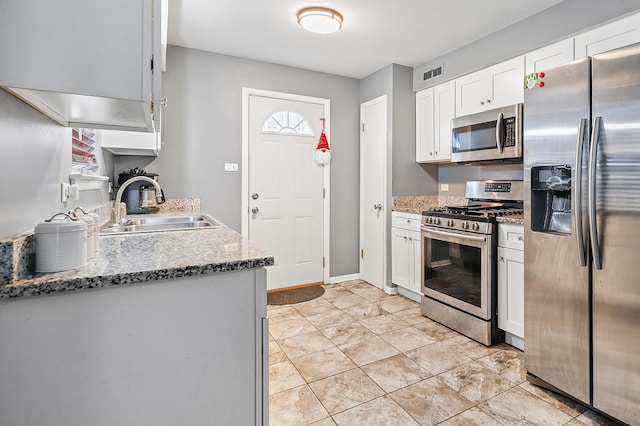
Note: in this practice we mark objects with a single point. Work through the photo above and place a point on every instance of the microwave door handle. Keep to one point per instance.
(499, 141)
(578, 192)
(593, 225)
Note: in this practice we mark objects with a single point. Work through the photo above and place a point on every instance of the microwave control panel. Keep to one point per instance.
(510, 131)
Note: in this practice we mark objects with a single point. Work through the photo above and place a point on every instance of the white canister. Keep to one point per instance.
(61, 244)
(96, 231)
(93, 229)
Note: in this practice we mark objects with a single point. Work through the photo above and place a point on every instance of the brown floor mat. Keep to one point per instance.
(288, 297)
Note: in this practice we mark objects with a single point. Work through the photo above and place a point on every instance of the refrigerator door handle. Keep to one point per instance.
(499, 132)
(593, 224)
(582, 127)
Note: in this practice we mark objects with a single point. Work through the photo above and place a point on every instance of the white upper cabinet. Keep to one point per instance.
(85, 63)
(425, 125)
(435, 107)
(617, 34)
(493, 87)
(131, 143)
(549, 56)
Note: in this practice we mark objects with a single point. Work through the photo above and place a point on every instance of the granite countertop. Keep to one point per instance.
(138, 258)
(420, 203)
(517, 219)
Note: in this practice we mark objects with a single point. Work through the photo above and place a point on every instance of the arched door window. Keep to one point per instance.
(287, 122)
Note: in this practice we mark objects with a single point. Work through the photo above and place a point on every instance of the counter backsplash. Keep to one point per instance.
(17, 254)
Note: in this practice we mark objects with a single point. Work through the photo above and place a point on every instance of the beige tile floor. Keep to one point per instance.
(357, 356)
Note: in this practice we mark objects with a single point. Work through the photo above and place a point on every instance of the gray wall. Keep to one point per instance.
(554, 24)
(408, 177)
(35, 158)
(202, 130)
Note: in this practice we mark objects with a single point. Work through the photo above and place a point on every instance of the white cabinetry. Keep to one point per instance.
(85, 63)
(493, 87)
(405, 253)
(131, 143)
(617, 34)
(435, 107)
(549, 56)
(511, 282)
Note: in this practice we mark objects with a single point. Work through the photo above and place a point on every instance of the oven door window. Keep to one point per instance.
(476, 137)
(457, 271)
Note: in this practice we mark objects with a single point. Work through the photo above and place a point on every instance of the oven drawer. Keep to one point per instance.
(408, 221)
(511, 236)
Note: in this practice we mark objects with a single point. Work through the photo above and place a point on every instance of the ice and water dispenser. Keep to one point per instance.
(551, 199)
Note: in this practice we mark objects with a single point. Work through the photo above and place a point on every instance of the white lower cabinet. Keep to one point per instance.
(405, 253)
(511, 283)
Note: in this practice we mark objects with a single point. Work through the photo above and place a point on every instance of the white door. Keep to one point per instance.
(285, 189)
(373, 181)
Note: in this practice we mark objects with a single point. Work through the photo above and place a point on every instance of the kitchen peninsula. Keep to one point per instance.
(158, 328)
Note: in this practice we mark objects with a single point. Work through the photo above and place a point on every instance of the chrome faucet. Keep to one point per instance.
(120, 208)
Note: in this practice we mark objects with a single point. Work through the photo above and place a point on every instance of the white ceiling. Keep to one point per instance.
(375, 33)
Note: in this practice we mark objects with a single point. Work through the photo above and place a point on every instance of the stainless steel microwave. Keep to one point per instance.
(489, 135)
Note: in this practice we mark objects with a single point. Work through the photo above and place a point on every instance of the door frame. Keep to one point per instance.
(244, 166)
(385, 191)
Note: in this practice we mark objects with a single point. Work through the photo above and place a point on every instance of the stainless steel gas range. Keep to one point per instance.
(459, 268)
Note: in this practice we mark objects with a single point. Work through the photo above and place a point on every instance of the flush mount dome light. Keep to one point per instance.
(319, 20)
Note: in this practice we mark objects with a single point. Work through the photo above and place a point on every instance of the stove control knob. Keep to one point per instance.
(429, 220)
(436, 221)
(475, 227)
(465, 225)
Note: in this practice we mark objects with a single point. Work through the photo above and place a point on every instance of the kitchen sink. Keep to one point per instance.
(162, 223)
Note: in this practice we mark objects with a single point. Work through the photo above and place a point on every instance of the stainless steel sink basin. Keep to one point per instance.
(162, 223)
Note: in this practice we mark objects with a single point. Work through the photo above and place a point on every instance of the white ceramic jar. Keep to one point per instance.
(61, 244)
(93, 229)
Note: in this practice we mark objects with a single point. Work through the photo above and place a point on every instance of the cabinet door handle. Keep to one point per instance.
(481, 102)
(501, 258)
(520, 238)
(488, 101)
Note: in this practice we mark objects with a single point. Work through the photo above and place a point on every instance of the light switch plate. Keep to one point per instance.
(230, 167)
(64, 192)
(444, 187)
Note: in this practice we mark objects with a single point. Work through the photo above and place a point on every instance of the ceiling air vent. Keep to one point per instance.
(433, 73)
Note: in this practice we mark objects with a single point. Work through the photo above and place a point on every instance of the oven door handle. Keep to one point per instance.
(455, 235)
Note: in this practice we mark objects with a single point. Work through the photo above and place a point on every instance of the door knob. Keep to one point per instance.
(377, 206)
(255, 195)
(255, 210)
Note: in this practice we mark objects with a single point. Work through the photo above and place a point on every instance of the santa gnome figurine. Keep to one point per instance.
(322, 154)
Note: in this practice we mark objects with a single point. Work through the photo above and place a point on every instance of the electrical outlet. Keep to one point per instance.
(444, 187)
(230, 167)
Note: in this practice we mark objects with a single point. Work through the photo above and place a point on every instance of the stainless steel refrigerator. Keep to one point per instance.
(582, 231)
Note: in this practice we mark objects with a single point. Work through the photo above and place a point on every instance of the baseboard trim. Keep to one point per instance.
(275, 290)
(342, 278)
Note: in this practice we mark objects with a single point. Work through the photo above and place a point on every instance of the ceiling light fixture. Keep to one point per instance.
(319, 20)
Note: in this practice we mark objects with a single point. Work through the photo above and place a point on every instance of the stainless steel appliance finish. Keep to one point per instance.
(582, 333)
(459, 278)
(488, 135)
(556, 284)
